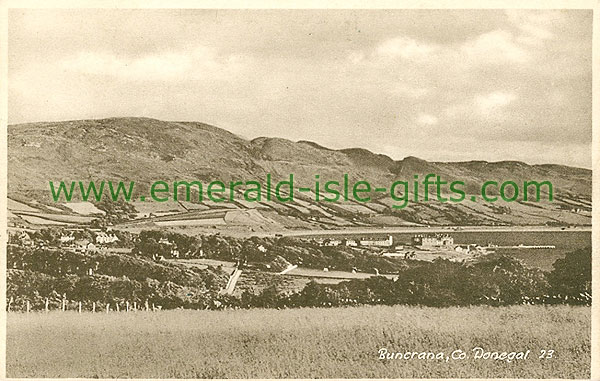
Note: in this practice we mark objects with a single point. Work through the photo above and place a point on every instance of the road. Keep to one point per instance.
(315, 273)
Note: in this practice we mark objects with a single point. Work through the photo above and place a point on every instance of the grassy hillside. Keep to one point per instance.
(145, 150)
(299, 343)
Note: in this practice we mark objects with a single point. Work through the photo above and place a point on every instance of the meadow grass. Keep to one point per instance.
(298, 343)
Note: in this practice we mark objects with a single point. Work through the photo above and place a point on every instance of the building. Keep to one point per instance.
(165, 241)
(332, 242)
(104, 238)
(25, 239)
(376, 241)
(433, 240)
(463, 249)
(351, 242)
(66, 238)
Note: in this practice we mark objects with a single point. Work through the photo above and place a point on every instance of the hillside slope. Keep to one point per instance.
(145, 150)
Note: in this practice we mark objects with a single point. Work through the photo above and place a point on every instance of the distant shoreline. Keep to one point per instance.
(433, 229)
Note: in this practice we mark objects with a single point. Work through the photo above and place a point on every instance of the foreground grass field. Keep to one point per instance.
(299, 343)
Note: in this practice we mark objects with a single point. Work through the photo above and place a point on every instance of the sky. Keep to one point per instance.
(442, 85)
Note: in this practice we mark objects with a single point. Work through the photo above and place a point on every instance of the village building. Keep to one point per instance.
(80, 244)
(67, 238)
(165, 241)
(105, 238)
(377, 241)
(332, 242)
(433, 240)
(158, 257)
(463, 248)
(83, 245)
(25, 238)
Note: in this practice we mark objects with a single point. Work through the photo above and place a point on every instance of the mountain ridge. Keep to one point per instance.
(146, 149)
(212, 128)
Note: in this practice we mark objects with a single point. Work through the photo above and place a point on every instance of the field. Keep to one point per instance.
(299, 343)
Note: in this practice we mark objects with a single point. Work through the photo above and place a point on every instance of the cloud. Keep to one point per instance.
(406, 48)
(467, 77)
(497, 46)
(196, 63)
(493, 101)
(409, 91)
(491, 48)
(427, 119)
(533, 25)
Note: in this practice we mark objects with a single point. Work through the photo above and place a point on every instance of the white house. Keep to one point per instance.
(104, 238)
(25, 238)
(431, 240)
(332, 242)
(377, 241)
(165, 241)
(67, 238)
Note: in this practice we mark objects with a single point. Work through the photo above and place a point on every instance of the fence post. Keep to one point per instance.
(117, 304)
(147, 308)
(64, 305)
(107, 307)
(153, 307)
(46, 305)
(79, 307)
(94, 307)
(28, 307)
(135, 306)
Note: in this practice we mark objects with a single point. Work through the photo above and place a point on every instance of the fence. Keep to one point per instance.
(64, 305)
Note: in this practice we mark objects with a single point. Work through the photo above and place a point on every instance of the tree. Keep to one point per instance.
(572, 275)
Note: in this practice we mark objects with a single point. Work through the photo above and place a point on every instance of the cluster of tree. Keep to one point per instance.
(39, 288)
(572, 275)
(57, 262)
(114, 212)
(153, 243)
(36, 274)
(265, 250)
(494, 281)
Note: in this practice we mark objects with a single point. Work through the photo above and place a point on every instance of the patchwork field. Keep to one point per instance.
(299, 343)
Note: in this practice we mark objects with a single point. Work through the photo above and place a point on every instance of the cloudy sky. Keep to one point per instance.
(437, 84)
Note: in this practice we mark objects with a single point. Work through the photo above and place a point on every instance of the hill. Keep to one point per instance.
(145, 150)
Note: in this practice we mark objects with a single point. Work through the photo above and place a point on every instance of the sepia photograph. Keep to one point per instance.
(216, 192)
